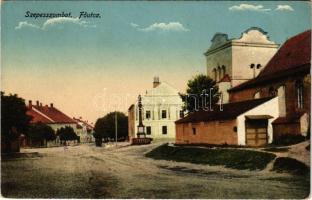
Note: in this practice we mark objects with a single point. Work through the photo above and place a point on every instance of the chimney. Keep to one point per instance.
(30, 104)
(51, 105)
(156, 81)
(40, 104)
(37, 103)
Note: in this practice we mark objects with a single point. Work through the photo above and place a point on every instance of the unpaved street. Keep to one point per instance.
(86, 171)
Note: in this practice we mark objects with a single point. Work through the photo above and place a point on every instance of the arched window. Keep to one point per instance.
(219, 73)
(223, 70)
(272, 92)
(214, 71)
(299, 93)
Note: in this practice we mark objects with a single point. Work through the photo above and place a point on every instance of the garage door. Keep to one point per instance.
(256, 132)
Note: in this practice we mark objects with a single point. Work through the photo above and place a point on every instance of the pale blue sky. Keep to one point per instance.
(69, 63)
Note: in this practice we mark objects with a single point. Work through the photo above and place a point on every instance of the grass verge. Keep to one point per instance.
(275, 149)
(290, 165)
(231, 158)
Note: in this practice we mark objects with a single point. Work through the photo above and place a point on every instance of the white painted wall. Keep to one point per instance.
(268, 108)
(304, 124)
(84, 135)
(163, 97)
(245, 55)
(223, 87)
(237, 55)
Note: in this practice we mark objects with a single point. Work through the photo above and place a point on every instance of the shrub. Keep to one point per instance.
(290, 165)
(41, 131)
(67, 133)
(274, 149)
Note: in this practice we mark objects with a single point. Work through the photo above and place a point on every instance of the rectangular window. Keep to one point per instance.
(148, 114)
(194, 131)
(164, 130)
(299, 88)
(163, 114)
(148, 130)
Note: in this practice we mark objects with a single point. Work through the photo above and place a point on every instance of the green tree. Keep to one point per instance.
(201, 93)
(41, 131)
(105, 126)
(67, 133)
(14, 119)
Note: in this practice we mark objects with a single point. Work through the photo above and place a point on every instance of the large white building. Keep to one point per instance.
(233, 61)
(162, 106)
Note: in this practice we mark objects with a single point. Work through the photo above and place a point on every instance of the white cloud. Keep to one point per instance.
(249, 7)
(64, 20)
(171, 26)
(134, 25)
(284, 8)
(26, 24)
(55, 21)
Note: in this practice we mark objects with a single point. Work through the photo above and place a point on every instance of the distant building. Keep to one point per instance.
(84, 130)
(49, 115)
(162, 106)
(234, 61)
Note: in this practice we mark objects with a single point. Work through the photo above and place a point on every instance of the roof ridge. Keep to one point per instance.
(42, 114)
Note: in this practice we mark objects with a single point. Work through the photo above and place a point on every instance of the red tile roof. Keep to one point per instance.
(89, 126)
(294, 56)
(230, 111)
(292, 118)
(56, 115)
(46, 114)
(36, 117)
(226, 78)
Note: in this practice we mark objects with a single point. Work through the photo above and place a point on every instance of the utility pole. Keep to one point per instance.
(116, 127)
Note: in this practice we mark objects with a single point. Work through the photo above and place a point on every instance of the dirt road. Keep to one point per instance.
(86, 171)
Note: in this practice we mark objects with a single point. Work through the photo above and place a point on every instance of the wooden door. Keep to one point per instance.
(256, 132)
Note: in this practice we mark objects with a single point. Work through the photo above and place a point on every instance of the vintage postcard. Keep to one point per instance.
(155, 99)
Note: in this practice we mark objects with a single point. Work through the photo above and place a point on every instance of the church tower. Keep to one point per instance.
(231, 62)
